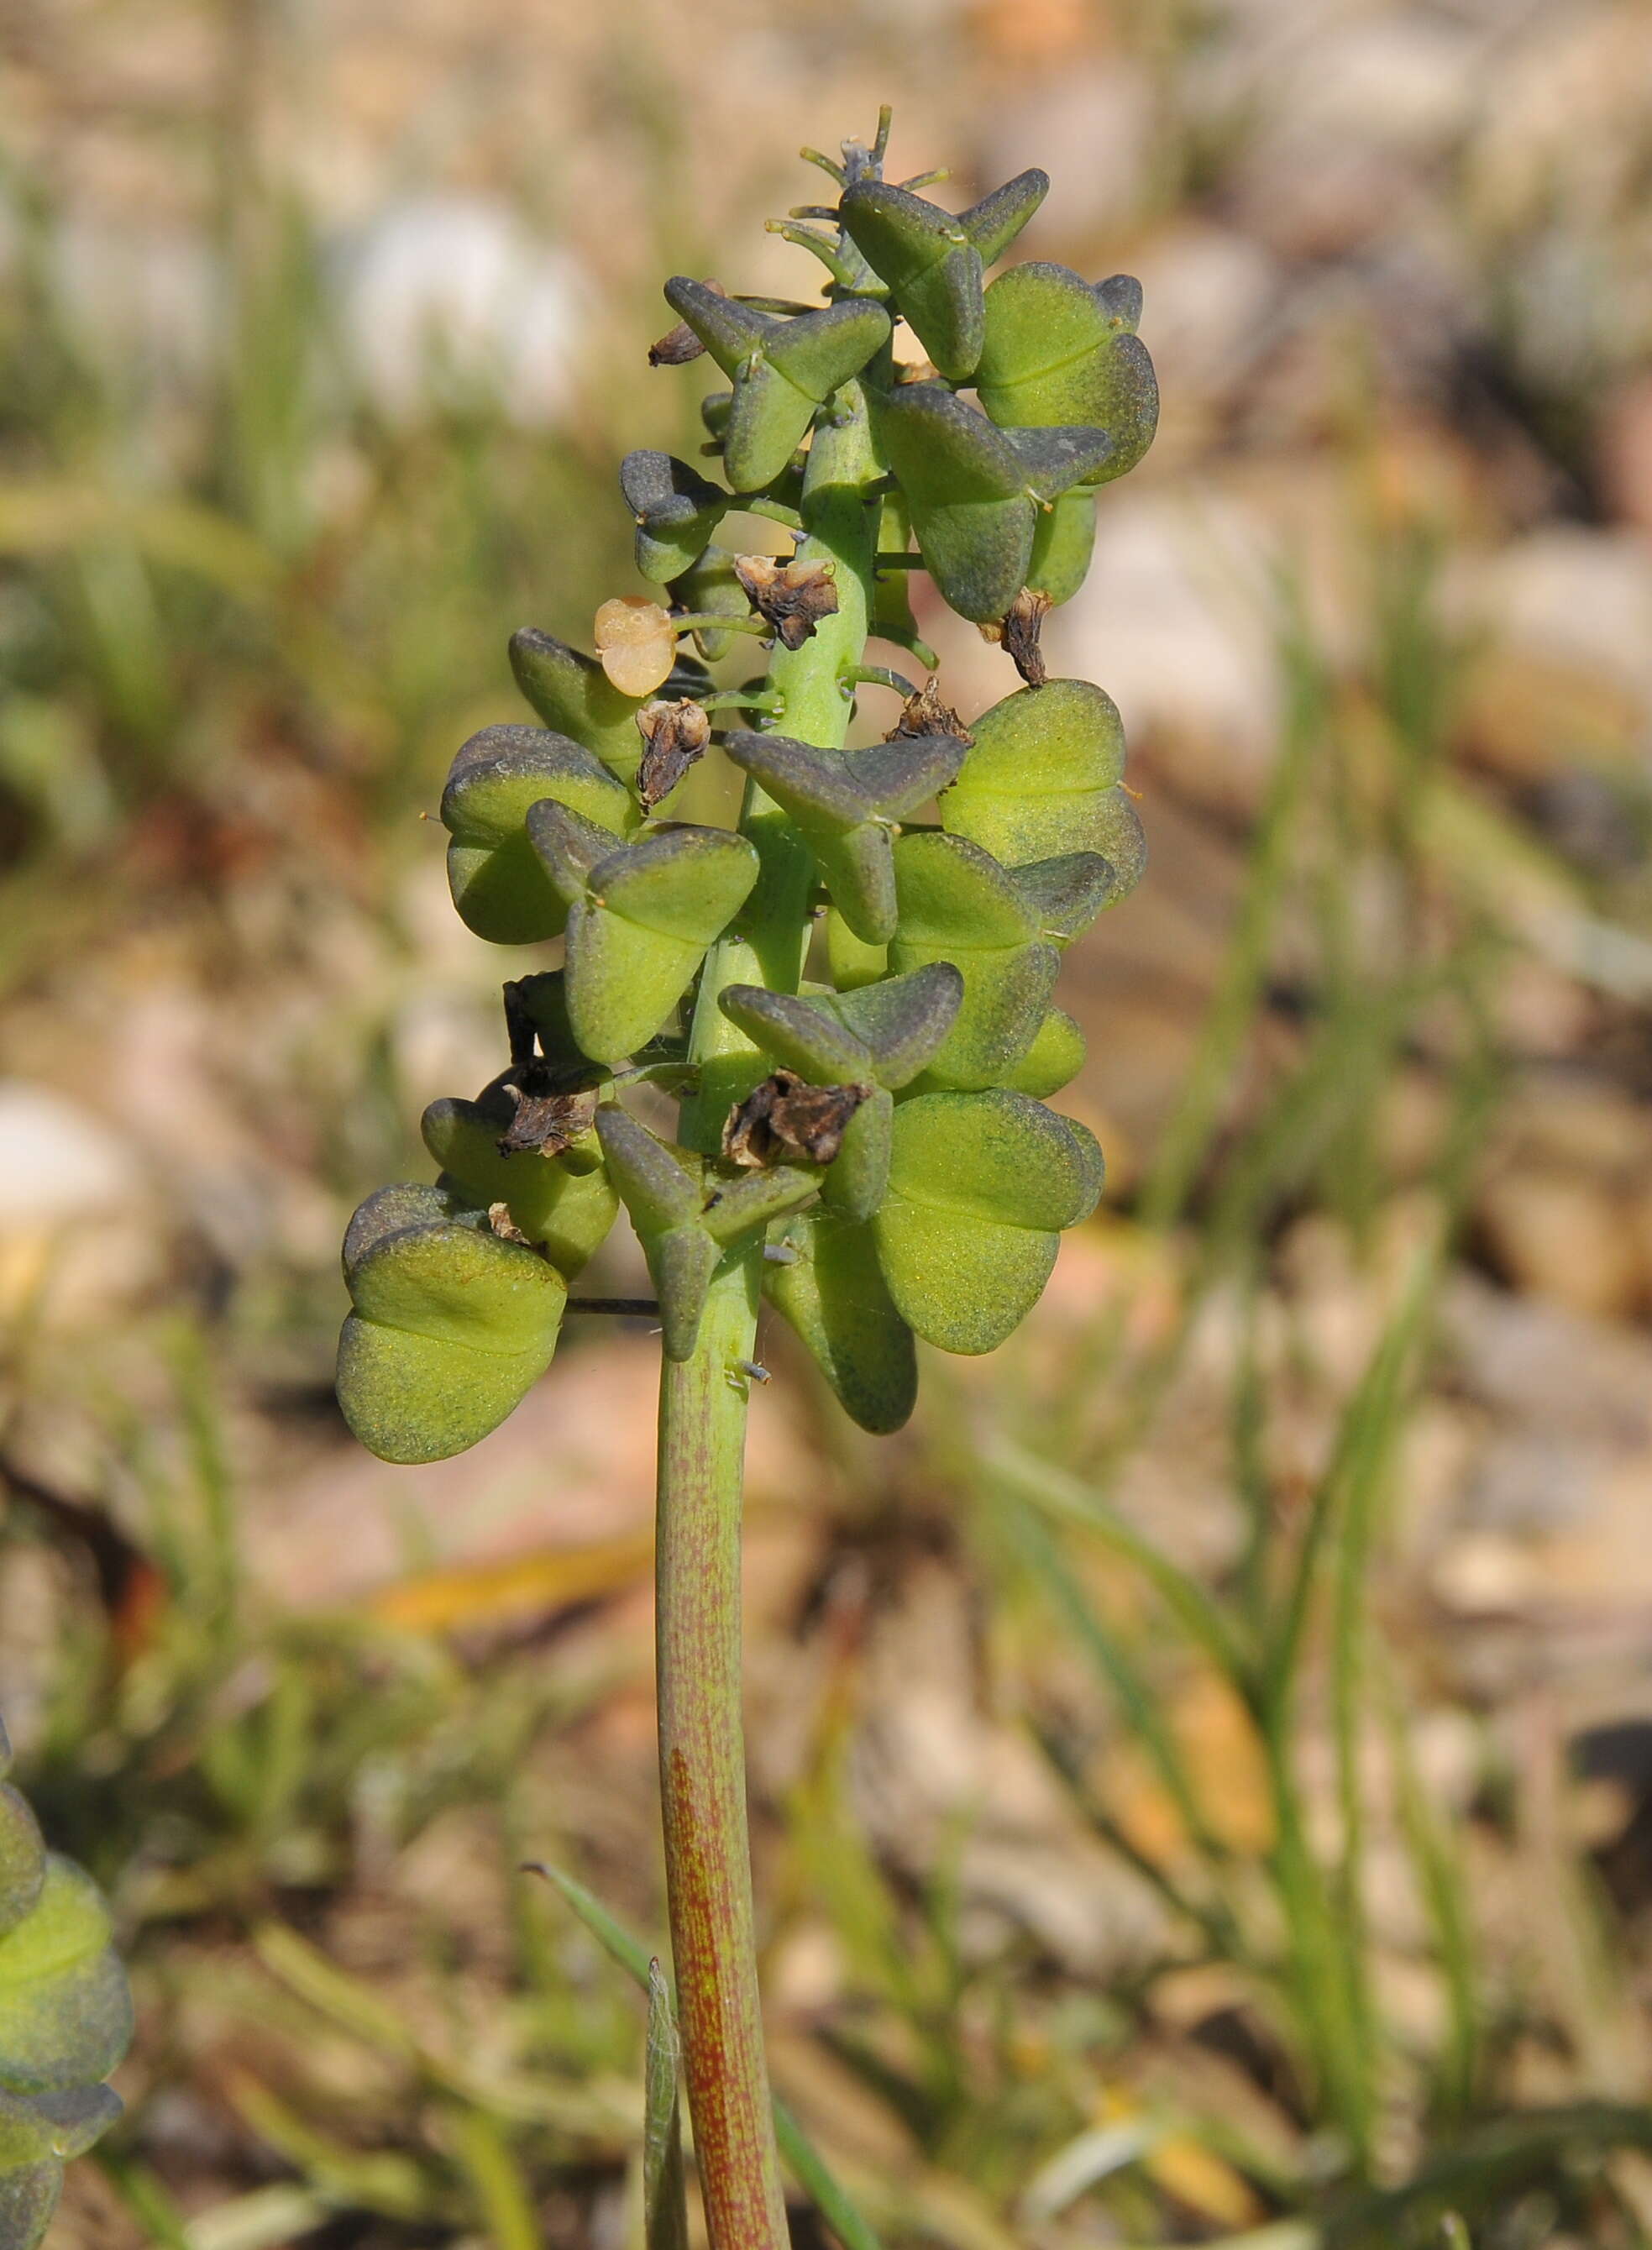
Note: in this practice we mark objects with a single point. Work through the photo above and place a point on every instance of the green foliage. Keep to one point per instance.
(902, 1172)
(65, 2019)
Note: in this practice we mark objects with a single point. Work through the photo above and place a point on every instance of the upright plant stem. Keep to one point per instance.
(702, 1423)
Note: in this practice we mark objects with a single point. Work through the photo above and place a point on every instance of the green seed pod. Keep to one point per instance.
(1064, 895)
(451, 1326)
(565, 1202)
(979, 1186)
(1054, 1061)
(976, 491)
(1058, 351)
(850, 962)
(498, 883)
(65, 2019)
(933, 259)
(845, 803)
(957, 905)
(712, 588)
(688, 1213)
(1063, 541)
(639, 919)
(885, 1033)
(66, 2012)
(1042, 777)
(23, 1863)
(834, 1295)
(891, 617)
(677, 511)
(782, 370)
(572, 694)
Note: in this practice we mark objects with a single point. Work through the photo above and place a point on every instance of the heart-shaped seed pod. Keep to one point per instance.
(1058, 351)
(957, 905)
(782, 370)
(981, 1184)
(933, 259)
(831, 1292)
(845, 803)
(976, 491)
(639, 919)
(571, 692)
(1063, 541)
(676, 510)
(498, 886)
(65, 2011)
(558, 1196)
(886, 1032)
(1054, 1061)
(1042, 777)
(451, 1325)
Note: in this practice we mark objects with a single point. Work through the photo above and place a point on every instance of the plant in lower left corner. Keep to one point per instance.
(65, 2019)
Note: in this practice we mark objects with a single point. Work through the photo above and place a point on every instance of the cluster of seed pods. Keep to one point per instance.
(851, 992)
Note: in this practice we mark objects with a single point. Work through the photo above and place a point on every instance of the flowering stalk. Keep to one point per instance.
(869, 1152)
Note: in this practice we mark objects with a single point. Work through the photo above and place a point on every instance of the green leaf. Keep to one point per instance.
(451, 1326)
(958, 905)
(640, 921)
(980, 1186)
(836, 1299)
(976, 491)
(498, 881)
(933, 259)
(808, 2165)
(564, 1204)
(665, 2190)
(66, 2012)
(676, 510)
(1039, 775)
(1058, 351)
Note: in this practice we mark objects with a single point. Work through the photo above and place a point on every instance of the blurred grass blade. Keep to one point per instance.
(628, 1952)
(344, 1999)
(1062, 1494)
(503, 2203)
(1487, 2170)
(804, 2160)
(664, 2192)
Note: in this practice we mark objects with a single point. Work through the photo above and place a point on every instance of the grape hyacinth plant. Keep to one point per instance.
(851, 1002)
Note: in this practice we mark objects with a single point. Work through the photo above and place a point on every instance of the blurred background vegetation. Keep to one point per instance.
(1202, 1771)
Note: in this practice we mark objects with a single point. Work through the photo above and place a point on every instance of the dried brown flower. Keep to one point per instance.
(785, 1117)
(674, 737)
(925, 714)
(680, 345)
(791, 596)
